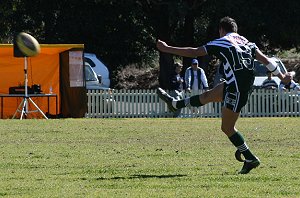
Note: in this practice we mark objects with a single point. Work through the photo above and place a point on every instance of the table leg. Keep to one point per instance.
(1, 107)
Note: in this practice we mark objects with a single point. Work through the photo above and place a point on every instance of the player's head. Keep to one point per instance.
(227, 25)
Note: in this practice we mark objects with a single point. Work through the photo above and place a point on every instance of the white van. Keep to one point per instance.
(92, 83)
(261, 72)
(99, 68)
(92, 80)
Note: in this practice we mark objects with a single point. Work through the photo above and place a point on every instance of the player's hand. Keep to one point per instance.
(287, 77)
(161, 45)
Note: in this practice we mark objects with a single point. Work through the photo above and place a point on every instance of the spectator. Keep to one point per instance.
(177, 86)
(269, 83)
(195, 78)
(289, 86)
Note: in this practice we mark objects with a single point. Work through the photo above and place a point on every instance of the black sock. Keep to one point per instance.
(180, 104)
(193, 101)
(239, 142)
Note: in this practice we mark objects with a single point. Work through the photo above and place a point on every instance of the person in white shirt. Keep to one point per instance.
(195, 78)
(289, 86)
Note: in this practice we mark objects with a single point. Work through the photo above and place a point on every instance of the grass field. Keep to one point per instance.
(146, 158)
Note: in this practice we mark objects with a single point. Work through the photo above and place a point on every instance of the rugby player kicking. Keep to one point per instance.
(237, 55)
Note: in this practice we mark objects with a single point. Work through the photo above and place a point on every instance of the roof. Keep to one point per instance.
(7, 49)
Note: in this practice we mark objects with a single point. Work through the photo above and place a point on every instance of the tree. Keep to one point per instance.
(123, 32)
(117, 31)
(174, 23)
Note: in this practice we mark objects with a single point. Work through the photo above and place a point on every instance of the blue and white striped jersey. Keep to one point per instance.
(237, 55)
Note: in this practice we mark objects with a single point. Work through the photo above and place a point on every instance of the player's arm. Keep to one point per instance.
(272, 66)
(181, 51)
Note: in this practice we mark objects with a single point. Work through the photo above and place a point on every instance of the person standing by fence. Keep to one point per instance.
(177, 86)
(291, 86)
(195, 78)
(237, 55)
(269, 83)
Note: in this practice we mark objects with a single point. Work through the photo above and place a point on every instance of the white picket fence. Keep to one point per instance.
(145, 103)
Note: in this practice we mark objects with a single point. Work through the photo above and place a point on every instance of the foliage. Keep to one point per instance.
(146, 158)
(134, 77)
(116, 31)
(124, 32)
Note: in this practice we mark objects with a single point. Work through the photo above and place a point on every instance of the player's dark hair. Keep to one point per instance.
(228, 24)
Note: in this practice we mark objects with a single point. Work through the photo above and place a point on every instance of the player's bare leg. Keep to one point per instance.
(212, 95)
(229, 119)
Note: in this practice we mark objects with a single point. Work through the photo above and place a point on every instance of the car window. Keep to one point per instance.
(89, 74)
(261, 69)
(89, 61)
(281, 66)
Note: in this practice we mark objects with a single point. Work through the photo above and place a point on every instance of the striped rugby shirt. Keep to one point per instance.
(237, 55)
(269, 84)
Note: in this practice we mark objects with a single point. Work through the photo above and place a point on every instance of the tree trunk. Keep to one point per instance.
(188, 37)
(166, 61)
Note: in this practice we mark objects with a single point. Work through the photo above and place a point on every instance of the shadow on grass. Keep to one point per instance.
(141, 177)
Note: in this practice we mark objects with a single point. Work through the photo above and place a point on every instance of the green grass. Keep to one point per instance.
(146, 158)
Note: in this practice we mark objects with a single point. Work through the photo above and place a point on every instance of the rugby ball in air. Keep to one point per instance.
(27, 44)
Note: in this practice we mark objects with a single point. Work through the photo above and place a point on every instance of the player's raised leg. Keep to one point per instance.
(213, 95)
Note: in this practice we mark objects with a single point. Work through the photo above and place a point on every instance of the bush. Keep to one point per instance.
(135, 77)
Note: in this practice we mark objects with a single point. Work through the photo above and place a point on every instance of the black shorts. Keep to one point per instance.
(235, 100)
